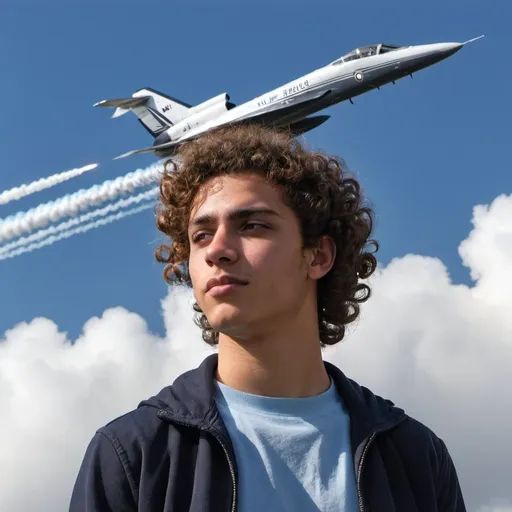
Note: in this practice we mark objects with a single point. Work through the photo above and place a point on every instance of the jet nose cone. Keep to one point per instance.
(450, 48)
(444, 49)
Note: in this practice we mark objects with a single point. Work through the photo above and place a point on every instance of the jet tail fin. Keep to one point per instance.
(172, 109)
(123, 105)
(155, 111)
(147, 115)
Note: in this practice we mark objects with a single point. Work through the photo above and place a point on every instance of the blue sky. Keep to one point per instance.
(426, 150)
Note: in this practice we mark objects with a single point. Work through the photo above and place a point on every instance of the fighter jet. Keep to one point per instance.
(172, 122)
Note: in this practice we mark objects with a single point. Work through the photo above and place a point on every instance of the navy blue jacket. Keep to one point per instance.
(173, 453)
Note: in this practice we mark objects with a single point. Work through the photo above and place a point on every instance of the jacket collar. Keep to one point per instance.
(190, 400)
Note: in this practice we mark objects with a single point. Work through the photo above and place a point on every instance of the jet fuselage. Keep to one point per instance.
(340, 80)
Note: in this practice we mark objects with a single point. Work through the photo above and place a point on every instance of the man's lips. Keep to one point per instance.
(224, 280)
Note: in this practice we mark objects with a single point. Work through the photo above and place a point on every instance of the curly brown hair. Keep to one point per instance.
(325, 198)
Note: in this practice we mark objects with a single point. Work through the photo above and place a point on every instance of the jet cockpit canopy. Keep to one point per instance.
(366, 51)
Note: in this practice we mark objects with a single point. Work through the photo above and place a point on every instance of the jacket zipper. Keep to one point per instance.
(361, 461)
(231, 468)
(359, 472)
(166, 414)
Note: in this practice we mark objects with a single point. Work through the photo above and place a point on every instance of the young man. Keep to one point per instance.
(273, 240)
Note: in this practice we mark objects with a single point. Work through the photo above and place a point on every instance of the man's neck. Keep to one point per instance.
(279, 365)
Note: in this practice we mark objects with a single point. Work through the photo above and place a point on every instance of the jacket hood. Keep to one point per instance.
(190, 399)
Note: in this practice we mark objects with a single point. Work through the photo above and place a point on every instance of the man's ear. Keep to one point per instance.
(321, 258)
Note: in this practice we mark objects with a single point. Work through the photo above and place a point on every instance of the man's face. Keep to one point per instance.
(240, 228)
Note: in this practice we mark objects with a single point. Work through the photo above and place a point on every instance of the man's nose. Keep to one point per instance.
(221, 249)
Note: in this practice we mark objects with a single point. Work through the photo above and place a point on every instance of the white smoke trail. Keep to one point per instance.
(71, 204)
(16, 193)
(77, 231)
(63, 226)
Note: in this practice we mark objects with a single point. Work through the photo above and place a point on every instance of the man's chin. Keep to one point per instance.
(227, 318)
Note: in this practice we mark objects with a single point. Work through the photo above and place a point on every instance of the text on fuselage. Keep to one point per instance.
(296, 88)
(301, 86)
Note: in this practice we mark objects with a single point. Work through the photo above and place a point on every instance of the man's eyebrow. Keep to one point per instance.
(238, 214)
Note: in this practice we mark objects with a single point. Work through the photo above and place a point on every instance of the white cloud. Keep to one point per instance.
(496, 508)
(443, 352)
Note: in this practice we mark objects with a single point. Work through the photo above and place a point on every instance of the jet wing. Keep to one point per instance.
(307, 124)
(150, 149)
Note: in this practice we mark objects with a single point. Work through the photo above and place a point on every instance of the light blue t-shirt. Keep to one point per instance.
(293, 454)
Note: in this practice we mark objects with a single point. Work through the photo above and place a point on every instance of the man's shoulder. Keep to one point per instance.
(137, 421)
(185, 402)
(417, 442)
(135, 429)
(410, 435)
(415, 448)
(414, 433)
(409, 448)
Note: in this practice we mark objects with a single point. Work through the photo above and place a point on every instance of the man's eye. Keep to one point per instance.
(252, 225)
(198, 237)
